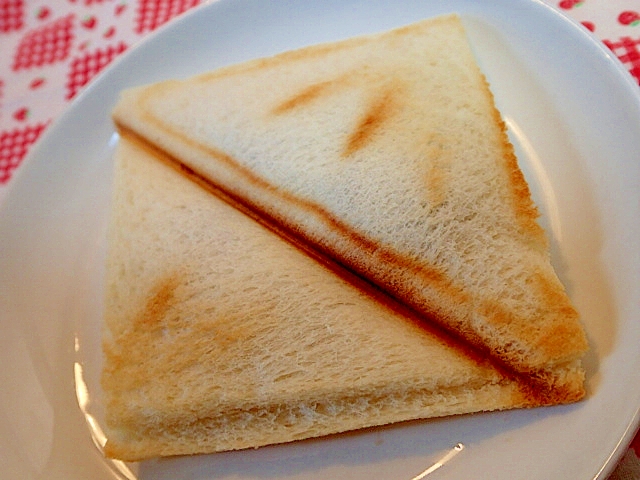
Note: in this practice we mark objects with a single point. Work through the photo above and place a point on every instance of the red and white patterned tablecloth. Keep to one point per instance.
(51, 49)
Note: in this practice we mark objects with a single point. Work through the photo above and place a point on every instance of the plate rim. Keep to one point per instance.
(30, 162)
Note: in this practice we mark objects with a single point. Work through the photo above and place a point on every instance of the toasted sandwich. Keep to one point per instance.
(386, 154)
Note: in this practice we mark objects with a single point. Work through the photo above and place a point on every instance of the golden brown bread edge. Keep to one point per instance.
(556, 382)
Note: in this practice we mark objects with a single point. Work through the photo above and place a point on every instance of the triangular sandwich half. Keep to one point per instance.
(387, 154)
(221, 336)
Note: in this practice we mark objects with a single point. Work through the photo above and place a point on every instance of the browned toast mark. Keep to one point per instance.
(159, 303)
(381, 108)
(382, 103)
(304, 97)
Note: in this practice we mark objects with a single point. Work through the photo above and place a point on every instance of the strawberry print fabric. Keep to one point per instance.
(11, 15)
(51, 49)
(46, 45)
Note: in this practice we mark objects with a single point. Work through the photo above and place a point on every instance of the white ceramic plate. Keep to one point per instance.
(574, 115)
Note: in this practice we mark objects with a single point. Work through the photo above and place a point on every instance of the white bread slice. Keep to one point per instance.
(221, 336)
(386, 153)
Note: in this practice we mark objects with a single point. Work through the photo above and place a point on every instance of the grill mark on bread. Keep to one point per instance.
(306, 96)
(157, 318)
(382, 104)
(381, 107)
(149, 321)
(155, 311)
